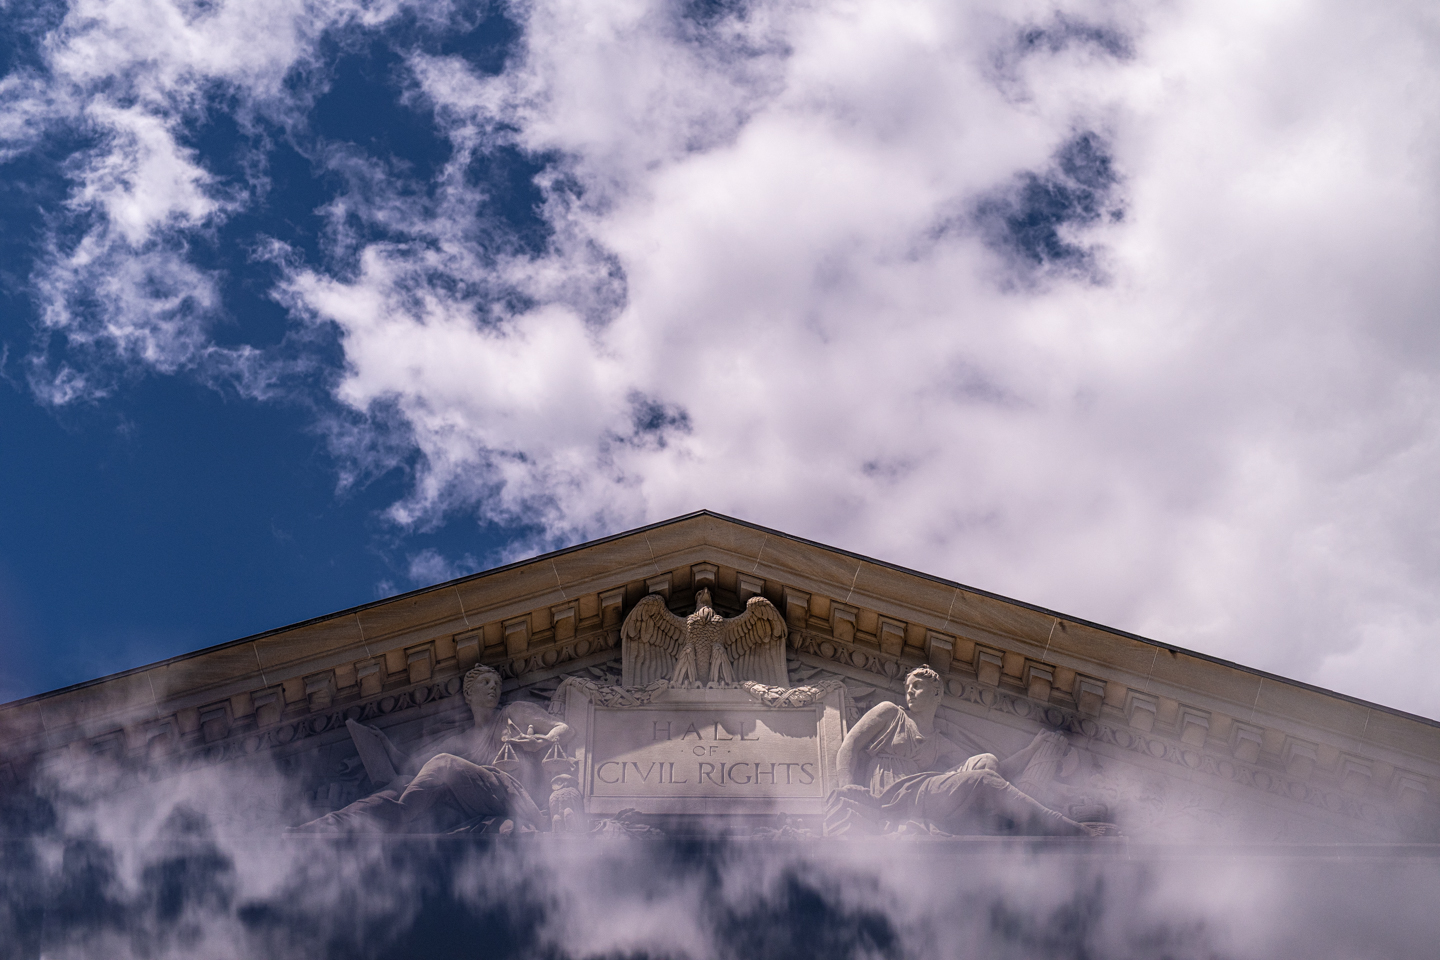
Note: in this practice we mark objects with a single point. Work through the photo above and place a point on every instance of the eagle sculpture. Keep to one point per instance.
(704, 647)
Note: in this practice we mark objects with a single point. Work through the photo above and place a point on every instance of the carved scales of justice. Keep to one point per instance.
(555, 762)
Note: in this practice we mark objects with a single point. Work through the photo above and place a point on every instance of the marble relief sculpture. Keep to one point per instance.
(494, 769)
(704, 647)
(898, 773)
(712, 713)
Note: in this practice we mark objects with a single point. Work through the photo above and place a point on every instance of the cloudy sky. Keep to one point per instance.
(1126, 309)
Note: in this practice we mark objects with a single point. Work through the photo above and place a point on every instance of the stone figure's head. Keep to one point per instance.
(923, 688)
(482, 688)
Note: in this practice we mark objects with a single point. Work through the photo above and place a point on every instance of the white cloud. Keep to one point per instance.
(125, 76)
(1225, 446)
(194, 864)
(765, 227)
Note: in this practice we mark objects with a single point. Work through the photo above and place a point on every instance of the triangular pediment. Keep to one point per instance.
(1175, 742)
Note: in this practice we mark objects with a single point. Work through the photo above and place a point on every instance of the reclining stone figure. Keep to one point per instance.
(898, 772)
(457, 779)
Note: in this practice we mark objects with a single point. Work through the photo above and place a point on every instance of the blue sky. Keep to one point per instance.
(1126, 309)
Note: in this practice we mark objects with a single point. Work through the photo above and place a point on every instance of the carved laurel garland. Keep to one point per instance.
(612, 695)
(1154, 748)
(806, 696)
(605, 695)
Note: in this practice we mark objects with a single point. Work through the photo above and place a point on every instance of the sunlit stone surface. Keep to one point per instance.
(707, 739)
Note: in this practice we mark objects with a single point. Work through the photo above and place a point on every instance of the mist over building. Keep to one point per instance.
(707, 738)
(1124, 311)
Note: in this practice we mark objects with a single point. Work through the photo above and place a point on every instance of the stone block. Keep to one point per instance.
(187, 721)
(589, 608)
(612, 603)
(747, 586)
(215, 721)
(493, 635)
(467, 649)
(444, 649)
(1411, 790)
(592, 569)
(891, 636)
(939, 651)
(1038, 679)
(704, 576)
(1167, 710)
(903, 592)
(1314, 709)
(964, 652)
(241, 705)
(517, 636)
(320, 690)
(1194, 726)
(269, 704)
(420, 662)
(801, 564)
(370, 677)
(659, 584)
(1355, 774)
(1245, 741)
(1115, 694)
(820, 609)
(161, 737)
(1089, 695)
(1064, 681)
(674, 544)
(987, 665)
(1299, 758)
(344, 677)
(867, 622)
(311, 641)
(292, 692)
(797, 607)
(563, 619)
(842, 621)
(508, 592)
(234, 664)
(403, 615)
(1141, 710)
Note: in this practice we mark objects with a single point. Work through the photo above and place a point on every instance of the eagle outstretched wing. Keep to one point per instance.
(652, 637)
(755, 643)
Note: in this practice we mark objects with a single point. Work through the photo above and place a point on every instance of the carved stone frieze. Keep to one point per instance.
(1148, 748)
(558, 655)
(802, 628)
(605, 695)
(792, 696)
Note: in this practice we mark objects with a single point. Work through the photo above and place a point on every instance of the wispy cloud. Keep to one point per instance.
(1121, 309)
(194, 864)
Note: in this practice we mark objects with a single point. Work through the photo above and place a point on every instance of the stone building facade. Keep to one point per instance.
(765, 653)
